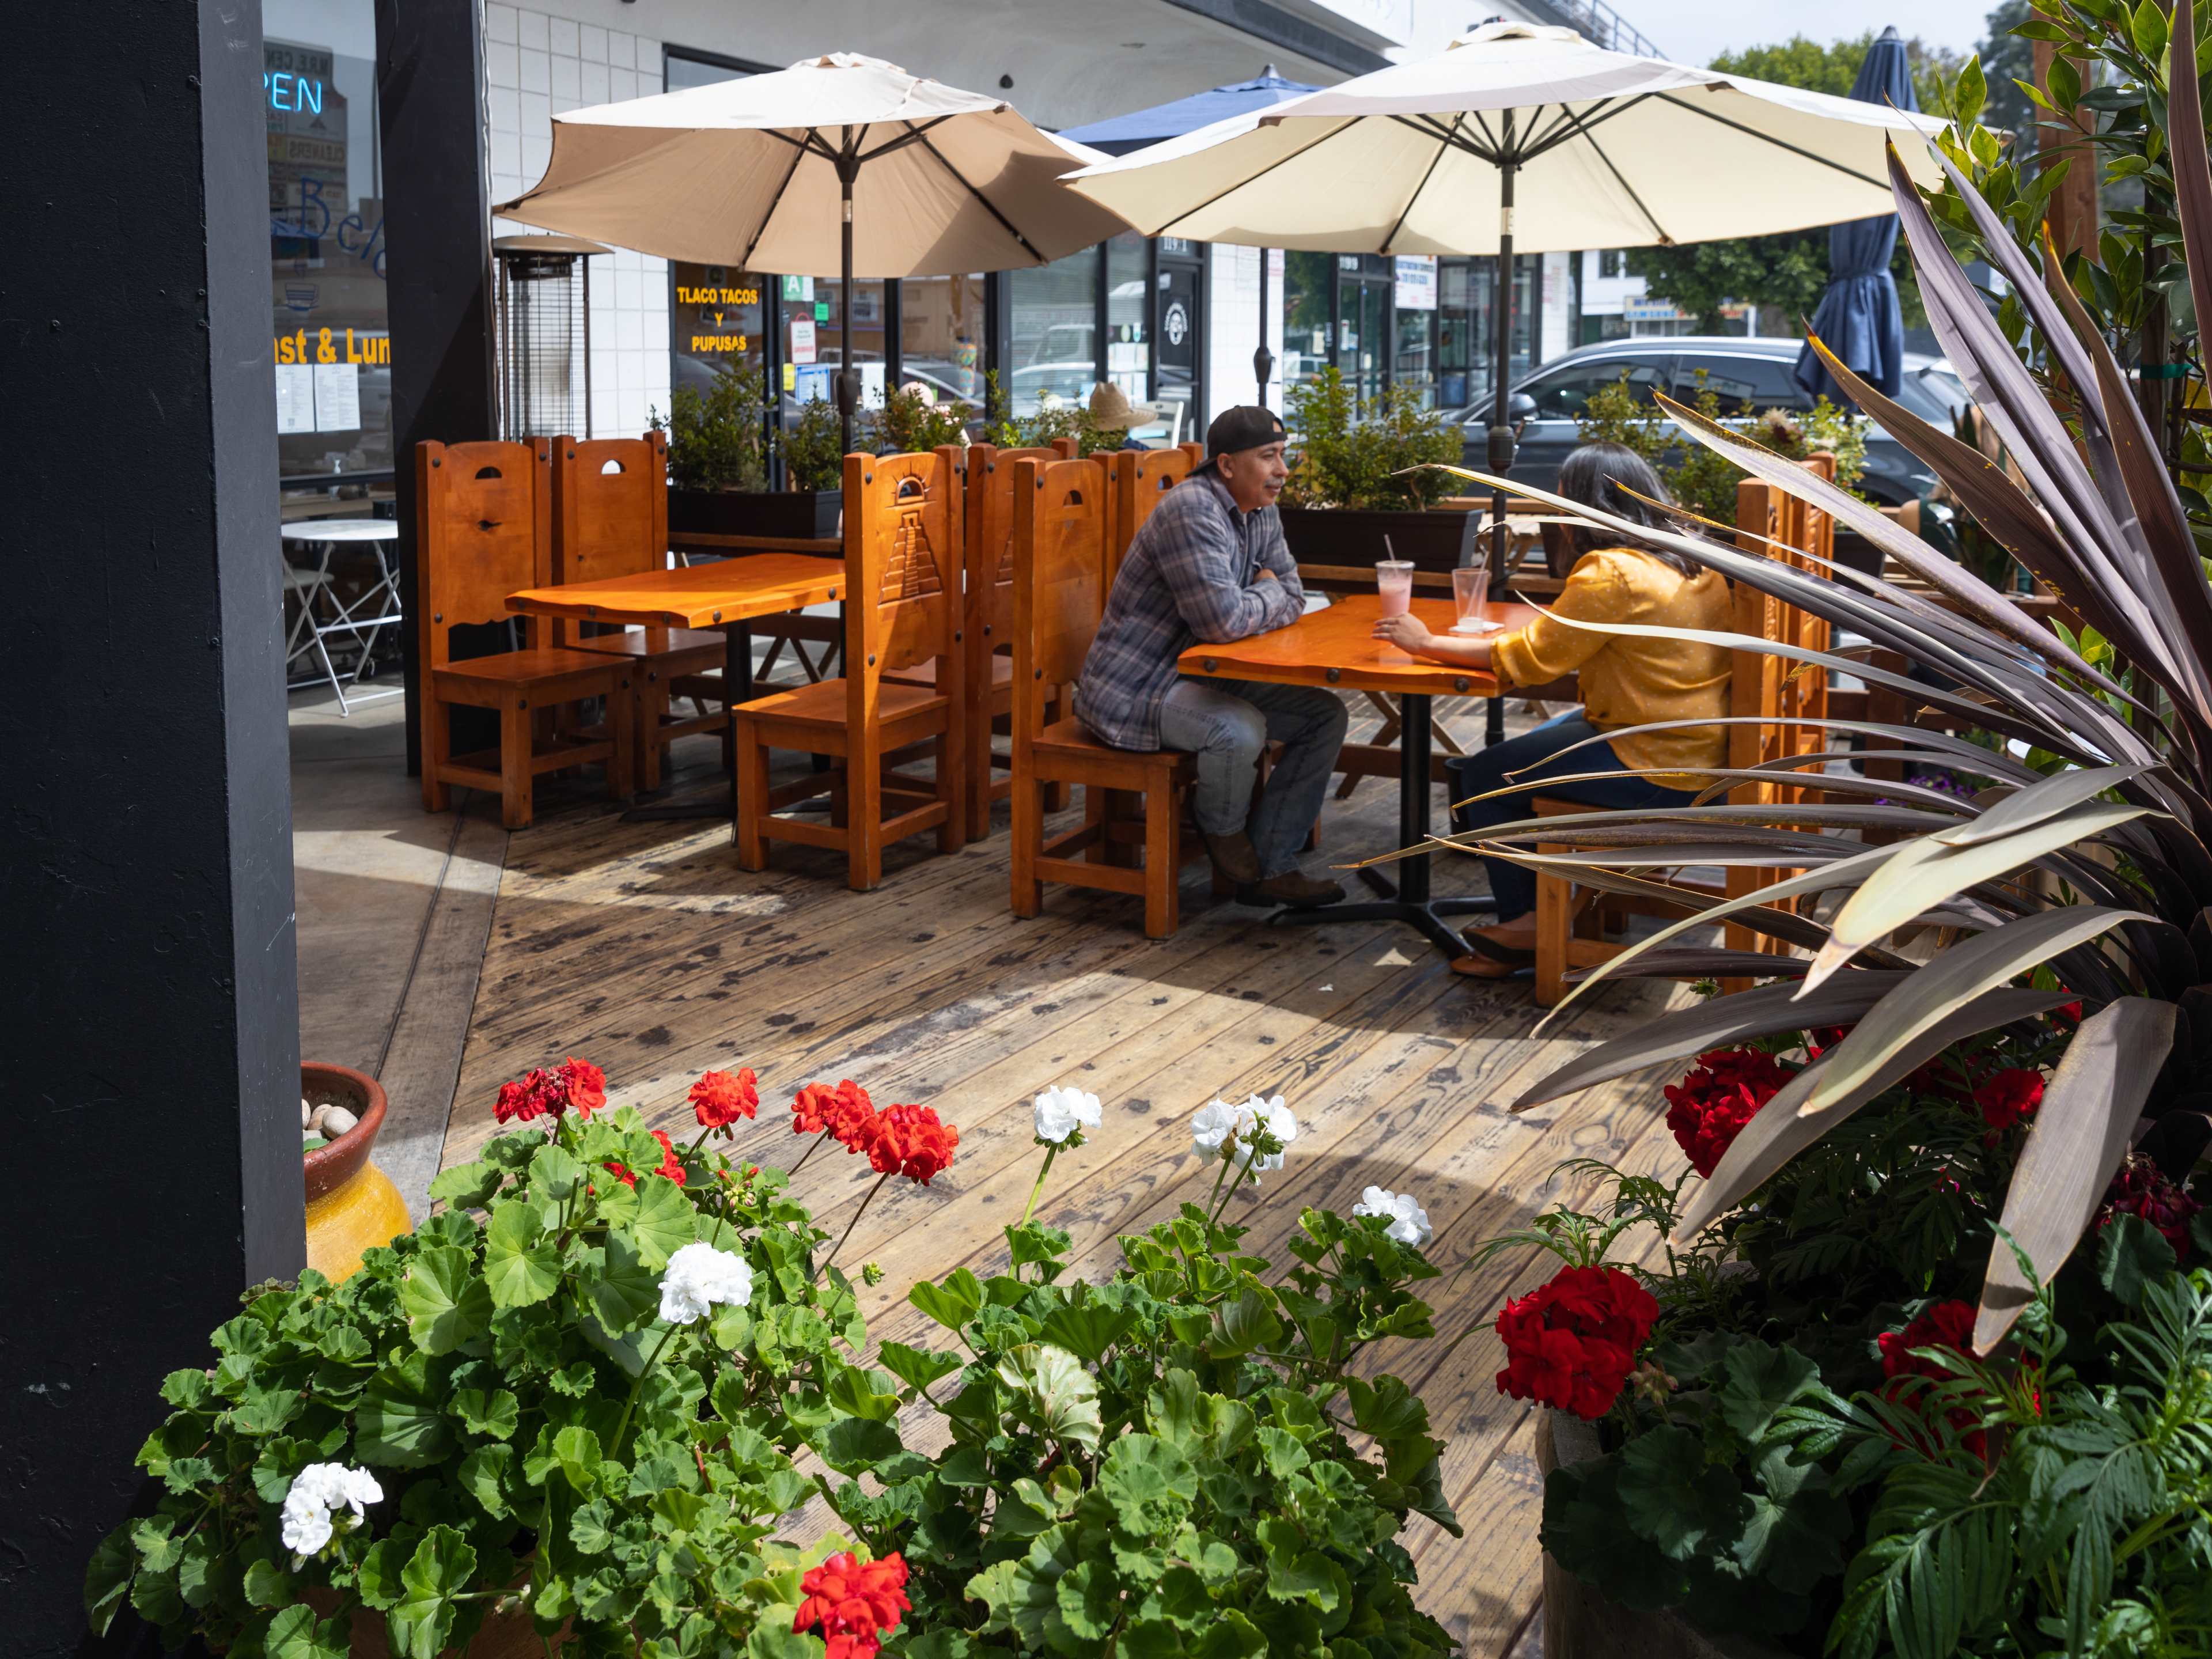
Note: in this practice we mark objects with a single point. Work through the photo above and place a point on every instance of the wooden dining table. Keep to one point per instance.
(727, 595)
(1337, 647)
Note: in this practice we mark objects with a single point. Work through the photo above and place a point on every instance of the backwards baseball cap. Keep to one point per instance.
(1248, 426)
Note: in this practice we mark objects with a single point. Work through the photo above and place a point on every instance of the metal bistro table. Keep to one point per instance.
(726, 595)
(379, 536)
(1336, 648)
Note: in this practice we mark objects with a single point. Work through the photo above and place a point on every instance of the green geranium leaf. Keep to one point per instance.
(1241, 1326)
(484, 1474)
(625, 1292)
(591, 1529)
(1032, 1242)
(400, 1423)
(577, 1451)
(421, 1623)
(1088, 1331)
(952, 1303)
(1229, 1635)
(468, 1186)
(917, 1367)
(378, 1576)
(1794, 1537)
(1150, 1484)
(495, 1413)
(522, 1265)
(1089, 1602)
(1757, 1382)
(665, 1222)
(554, 1173)
(1385, 1410)
(267, 1584)
(1311, 1577)
(107, 1577)
(853, 1389)
(1671, 1497)
(294, 1633)
(445, 1304)
(1063, 1397)
(854, 1445)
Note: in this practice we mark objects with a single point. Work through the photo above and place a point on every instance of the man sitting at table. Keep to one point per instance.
(1209, 566)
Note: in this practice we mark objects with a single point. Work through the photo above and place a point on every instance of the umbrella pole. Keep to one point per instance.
(1501, 430)
(1263, 361)
(848, 378)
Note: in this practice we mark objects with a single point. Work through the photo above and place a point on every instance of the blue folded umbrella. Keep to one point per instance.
(1859, 318)
(1125, 133)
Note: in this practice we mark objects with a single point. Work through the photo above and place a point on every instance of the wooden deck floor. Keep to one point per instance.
(644, 948)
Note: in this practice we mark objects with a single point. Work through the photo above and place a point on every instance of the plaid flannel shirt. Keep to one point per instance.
(1191, 574)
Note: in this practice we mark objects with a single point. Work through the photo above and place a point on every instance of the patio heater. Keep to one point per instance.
(544, 335)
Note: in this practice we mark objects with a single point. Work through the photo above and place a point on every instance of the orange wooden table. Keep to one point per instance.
(1337, 647)
(727, 595)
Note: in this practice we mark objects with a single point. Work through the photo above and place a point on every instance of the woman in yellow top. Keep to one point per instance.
(1627, 681)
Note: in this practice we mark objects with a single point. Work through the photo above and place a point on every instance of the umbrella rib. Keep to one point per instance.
(1768, 139)
(1443, 145)
(1598, 150)
(1606, 110)
(1232, 189)
(1429, 125)
(989, 206)
(912, 134)
(799, 155)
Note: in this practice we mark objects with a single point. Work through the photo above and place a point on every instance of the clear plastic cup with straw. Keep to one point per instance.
(1470, 592)
(1394, 582)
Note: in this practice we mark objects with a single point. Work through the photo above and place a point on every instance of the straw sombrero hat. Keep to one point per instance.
(1109, 408)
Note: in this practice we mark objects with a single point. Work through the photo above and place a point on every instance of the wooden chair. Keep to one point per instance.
(989, 564)
(484, 524)
(611, 519)
(1061, 524)
(1572, 921)
(1137, 478)
(903, 562)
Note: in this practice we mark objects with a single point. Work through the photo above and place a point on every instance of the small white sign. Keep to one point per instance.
(802, 339)
(1416, 280)
(295, 398)
(337, 397)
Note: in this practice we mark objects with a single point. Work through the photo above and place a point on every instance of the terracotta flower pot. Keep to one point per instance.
(352, 1206)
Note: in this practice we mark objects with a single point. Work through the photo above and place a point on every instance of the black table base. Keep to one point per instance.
(738, 671)
(1412, 903)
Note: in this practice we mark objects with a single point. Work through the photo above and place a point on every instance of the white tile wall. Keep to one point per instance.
(538, 66)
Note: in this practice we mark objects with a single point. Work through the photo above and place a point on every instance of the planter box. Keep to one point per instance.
(1343, 539)
(1581, 1622)
(798, 512)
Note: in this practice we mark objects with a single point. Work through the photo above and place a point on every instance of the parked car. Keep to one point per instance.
(1750, 376)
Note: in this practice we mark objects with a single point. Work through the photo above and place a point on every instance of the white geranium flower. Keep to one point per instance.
(1211, 1126)
(1062, 1113)
(1409, 1222)
(699, 1276)
(1260, 1120)
(317, 1491)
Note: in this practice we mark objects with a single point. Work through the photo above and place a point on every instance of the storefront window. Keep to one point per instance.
(812, 331)
(1414, 279)
(1128, 292)
(717, 320)
(332, 337)
(941, 337)
(1053, 333)
(1468, 342)
(1178, 328)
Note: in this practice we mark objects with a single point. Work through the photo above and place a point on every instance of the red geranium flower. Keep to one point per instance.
(1571, 1344)
(853, 1603)
(718, 1099)
(2141, 1188)
(1708, 1108)
(913, 1140)
(1822, 1038)
(584, 1085)
(2006, 1097)
(845, 1111)
(670, 1165)
(1947, 1325)
(623, 1173)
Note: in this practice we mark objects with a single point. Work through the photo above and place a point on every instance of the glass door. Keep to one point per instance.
(1361, 344)
(1177, 350)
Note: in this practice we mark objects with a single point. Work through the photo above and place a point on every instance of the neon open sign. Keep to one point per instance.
(289, 92)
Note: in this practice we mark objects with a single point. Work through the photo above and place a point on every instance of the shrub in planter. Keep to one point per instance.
(717, 456)
(1383, 462)
(579, 1394)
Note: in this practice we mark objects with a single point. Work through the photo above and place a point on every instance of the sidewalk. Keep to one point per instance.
(394, 907)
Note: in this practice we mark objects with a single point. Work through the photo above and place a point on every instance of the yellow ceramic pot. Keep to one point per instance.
(352, 1206)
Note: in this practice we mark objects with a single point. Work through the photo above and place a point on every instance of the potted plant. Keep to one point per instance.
(352, 1206)
(718, 466)
(1354, 482)
(579, 1405)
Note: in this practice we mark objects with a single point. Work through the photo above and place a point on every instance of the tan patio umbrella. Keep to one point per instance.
(841, 162)
(1518, 135)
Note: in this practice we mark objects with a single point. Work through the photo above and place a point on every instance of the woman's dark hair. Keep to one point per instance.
(1611, 478)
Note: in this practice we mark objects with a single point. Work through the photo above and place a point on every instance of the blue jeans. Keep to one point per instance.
(1534, 756)
(1226, 723)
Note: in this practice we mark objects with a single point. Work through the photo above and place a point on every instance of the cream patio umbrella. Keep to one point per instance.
(841, 161)
(1518, 135)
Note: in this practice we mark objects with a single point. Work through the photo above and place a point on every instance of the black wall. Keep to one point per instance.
(148, 984)
(429, 82)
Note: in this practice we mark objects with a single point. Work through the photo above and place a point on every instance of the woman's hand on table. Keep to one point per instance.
(1406, 631)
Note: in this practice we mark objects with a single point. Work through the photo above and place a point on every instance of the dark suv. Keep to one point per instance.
(1751, 376)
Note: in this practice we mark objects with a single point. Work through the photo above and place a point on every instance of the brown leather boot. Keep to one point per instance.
(1235, 856)
(1294, 888)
